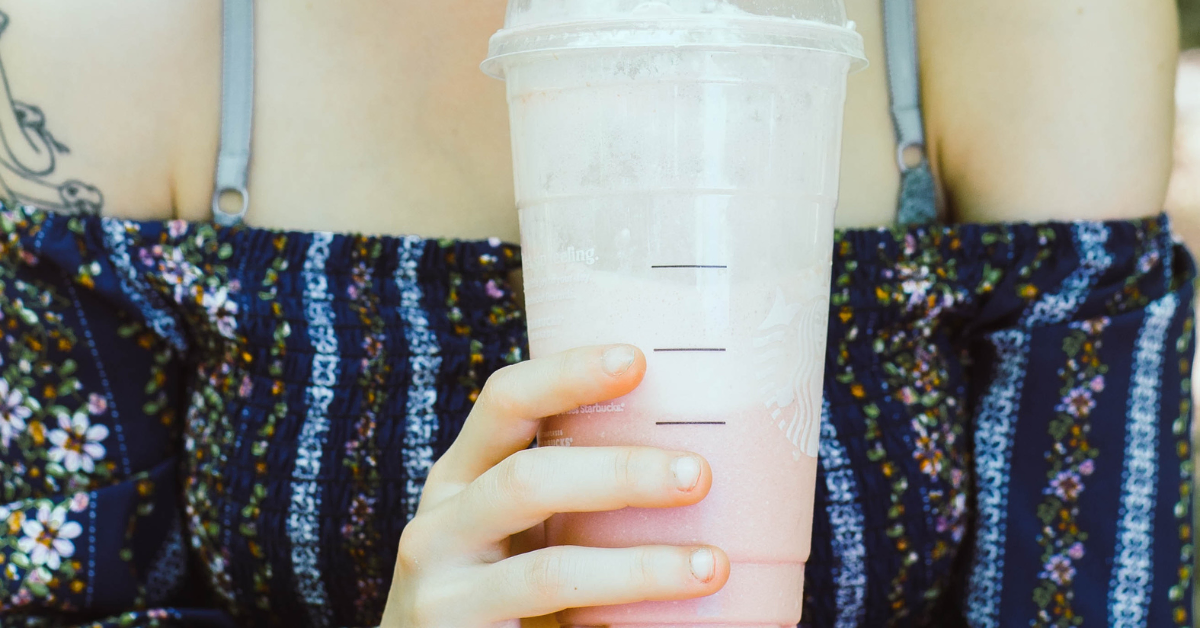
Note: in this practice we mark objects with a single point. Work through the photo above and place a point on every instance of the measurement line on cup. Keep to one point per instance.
(691, 350)
(701, 266)
(690, 423)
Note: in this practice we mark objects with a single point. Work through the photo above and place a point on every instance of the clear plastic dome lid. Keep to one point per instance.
(525, 13)
(556, 25)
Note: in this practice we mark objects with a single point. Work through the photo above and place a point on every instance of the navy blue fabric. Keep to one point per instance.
(230, 427)
(973, 374)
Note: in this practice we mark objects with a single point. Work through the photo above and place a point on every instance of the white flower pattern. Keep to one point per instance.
(222, 310)
(177, 271)
(13, 412)
(48, 537)
(77, 442)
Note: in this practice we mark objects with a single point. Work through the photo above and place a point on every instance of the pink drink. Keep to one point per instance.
(677, 172)
(735, 363)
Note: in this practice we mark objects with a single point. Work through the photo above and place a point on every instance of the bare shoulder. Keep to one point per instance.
(1183, 202)
(99, 99)
(1050, 110)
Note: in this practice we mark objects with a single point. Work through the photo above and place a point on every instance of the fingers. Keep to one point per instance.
(529, 486)
(558, 578)
(515, 400)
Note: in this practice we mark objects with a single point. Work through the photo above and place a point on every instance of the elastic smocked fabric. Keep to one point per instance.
(265, 404)
(205, 426)
(1006, 439)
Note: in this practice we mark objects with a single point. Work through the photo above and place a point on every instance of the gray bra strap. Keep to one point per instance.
(918, 195)
(904, 77)
(237, 108)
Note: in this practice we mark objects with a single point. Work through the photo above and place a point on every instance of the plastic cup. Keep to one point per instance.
(676, 168)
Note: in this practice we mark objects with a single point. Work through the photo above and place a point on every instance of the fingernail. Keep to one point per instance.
(687, 472)
(704, 565)
(618, 359)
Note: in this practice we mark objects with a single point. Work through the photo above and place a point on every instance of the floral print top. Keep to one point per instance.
(1006, 441)
(230, 427)
(210, 427)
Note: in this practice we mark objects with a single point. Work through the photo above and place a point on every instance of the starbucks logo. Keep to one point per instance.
(790, 361)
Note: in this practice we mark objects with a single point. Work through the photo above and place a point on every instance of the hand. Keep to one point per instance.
(457, 567)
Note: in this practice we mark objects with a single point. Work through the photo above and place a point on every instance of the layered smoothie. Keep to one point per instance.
(676, 168)
(734, 335)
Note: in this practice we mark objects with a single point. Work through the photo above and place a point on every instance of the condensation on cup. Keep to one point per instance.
(676, 168)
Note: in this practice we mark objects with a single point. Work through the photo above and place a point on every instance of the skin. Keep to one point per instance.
(372, 116)
(1183, 199)
(460, 566)
(1057, 110)
(403, 134)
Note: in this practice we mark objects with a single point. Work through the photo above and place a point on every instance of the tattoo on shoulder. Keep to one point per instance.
(29, 159)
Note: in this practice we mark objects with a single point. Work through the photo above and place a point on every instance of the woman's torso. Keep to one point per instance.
(293, 359)
(373, 117)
